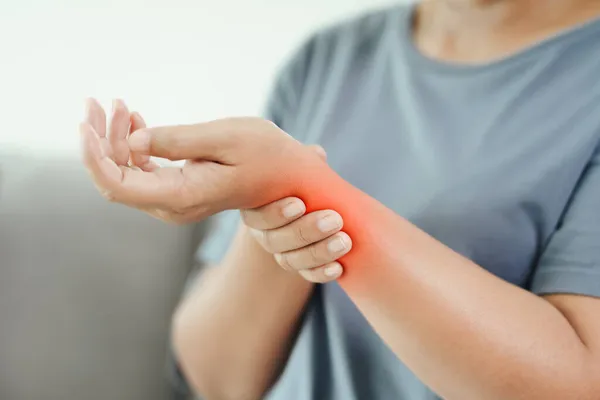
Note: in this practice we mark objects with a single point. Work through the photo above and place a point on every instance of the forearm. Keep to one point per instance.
(233, 332)
(463, 331)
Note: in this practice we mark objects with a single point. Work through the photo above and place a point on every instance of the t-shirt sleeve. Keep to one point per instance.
(571, 261)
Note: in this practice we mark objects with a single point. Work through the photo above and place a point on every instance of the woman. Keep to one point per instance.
(477, 125)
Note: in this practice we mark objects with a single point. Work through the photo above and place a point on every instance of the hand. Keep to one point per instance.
(113, 141)
(309, 244)
(235, 163)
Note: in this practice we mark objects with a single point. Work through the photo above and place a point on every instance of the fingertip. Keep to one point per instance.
(333, 270)
(137, 122)
(329, 221)
(139, 141)
(324, 274)
(118, 105)
(90, 102)
(293, 208)
(346, 240)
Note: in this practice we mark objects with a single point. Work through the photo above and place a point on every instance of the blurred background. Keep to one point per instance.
(87, 287)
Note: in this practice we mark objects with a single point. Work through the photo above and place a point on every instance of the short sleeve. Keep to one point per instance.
(571, 260)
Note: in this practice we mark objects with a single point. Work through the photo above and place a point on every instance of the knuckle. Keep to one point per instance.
(302, 236)
(165, 145)
(262, 219)
(315, 255)
(284, 261)
(246, 217)
(266, 239)
(255, 218)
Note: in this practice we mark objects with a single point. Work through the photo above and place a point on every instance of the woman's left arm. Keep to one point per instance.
(470, 335)
(465, 332)
(462, 330)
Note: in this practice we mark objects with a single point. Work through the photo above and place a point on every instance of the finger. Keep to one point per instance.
(126, 185)
(207, 141)
(320, 151)
(117, 132)
(309, 229)
(101, 167)
(317, 254)
(142, 161)
(323, 274)
(95, 116)
(274, 215)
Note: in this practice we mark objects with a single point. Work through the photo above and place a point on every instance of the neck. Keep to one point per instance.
(480, 30)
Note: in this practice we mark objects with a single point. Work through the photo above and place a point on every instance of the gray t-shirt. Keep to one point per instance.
(500, 161)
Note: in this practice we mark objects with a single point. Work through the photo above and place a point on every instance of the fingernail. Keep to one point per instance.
(293, 209)
(336, 245)
(333, 270)
(139, 141)
(329, 223)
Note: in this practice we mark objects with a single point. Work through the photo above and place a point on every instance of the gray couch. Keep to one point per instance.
(87, 288)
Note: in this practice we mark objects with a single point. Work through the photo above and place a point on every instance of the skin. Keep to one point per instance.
(529, 347)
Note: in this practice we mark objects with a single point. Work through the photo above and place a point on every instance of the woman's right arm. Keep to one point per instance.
(233, 332)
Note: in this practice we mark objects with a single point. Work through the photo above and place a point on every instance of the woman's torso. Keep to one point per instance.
(483, 158)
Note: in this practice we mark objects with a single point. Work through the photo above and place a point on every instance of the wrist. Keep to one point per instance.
(247, 260)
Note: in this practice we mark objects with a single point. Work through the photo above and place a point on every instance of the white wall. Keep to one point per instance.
(176, 61)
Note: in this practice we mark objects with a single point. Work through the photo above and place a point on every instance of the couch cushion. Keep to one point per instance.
(86, 287)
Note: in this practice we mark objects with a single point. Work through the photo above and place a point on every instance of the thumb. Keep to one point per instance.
(320, 151)
(207, 141)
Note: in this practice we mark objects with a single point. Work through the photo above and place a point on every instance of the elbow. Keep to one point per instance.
(204, 361)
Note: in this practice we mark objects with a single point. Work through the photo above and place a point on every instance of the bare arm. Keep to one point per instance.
(464, 332)
(233, 332)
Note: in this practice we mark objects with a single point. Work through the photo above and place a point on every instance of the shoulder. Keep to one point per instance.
(325, 59)
(340, 44)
